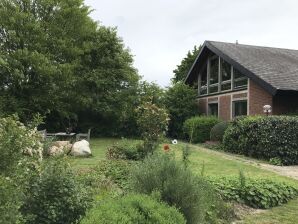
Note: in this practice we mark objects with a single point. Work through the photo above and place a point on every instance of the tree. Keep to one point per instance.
(56, 61)
(180, 102)
(182, 70)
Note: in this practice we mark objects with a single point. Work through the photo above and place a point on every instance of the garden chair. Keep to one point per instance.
(84, 135)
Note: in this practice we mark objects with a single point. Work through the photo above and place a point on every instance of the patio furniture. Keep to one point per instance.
(84, 135)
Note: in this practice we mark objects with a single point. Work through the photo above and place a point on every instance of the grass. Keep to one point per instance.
(214, 165)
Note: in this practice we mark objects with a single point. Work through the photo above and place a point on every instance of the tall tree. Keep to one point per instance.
(182, 70)
(55, 60)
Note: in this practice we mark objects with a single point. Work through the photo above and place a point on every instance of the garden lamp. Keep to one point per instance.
(267, 109)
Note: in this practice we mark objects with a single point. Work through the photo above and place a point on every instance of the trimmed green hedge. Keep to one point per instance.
(198, 128)
(218, 131)
(256, 193)
(131, 209)
(264, 138)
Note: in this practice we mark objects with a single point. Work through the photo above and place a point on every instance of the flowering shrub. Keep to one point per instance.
(153, 124)
(15, 140)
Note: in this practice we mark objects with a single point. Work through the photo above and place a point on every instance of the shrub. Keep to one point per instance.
(9, 202)
(130, 150)
(180, 101)
(16, 139)
(192, 195)
(257, 193)
(54, 195)
(198, 128)
(264, 138)
(153, 123)
(217, 131)
(117, 170)
(131, 209)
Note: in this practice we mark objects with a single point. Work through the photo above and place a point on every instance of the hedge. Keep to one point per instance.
(264, 138)
(198, 128)
(218, 131)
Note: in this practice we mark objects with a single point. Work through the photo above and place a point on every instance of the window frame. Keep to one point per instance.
(237, 101)
(208, 111)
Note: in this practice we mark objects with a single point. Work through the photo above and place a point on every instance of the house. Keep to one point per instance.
(235, 79)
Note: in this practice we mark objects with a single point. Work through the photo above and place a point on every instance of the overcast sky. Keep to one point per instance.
(160, 32)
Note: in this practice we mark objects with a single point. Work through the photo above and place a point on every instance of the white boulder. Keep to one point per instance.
(55, 151)
(80, 148)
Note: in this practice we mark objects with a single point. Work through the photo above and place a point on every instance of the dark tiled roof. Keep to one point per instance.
(275, 67)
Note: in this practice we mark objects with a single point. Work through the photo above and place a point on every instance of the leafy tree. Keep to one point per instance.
(182, 70)
(180, 101)
(55, 60)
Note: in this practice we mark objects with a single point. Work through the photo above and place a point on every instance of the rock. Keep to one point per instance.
(80, 148)
(59, 148)
(54, 150)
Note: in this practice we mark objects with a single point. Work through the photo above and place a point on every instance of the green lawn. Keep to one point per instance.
(214, 165)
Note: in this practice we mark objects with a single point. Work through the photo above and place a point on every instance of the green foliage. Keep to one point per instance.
(182, 70)
(15, 140)
(264, 138)
(55, 60)
(131, 209)
(257, 193)
(126, 149)
(117, 170)
(275, 161)
(53, 195)
(198, 128)
(180, 102)
(10, 202)
(178, 187)
(153, 124)
(185, 155)
(217, 131)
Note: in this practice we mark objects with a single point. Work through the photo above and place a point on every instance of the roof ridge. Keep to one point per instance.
(248, 45)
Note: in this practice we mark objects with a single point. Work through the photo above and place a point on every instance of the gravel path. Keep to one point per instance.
(288, 171)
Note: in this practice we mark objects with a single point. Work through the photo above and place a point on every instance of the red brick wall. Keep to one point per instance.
(258, 97)
(225, 107)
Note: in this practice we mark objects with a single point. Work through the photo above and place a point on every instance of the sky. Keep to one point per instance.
(159, 33)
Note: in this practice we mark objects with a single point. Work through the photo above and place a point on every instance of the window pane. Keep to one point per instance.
(203, 89)
(239, 108)
(213, 109)
(213, 89)
(225, 86)
(225, 71)
(240, 83)
(237, 74)
(214, 71)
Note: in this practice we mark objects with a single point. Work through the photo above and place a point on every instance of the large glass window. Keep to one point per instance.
(214, 71)
(240, 80)
(213, 109)
(203, 86)
(239, 108)
(225, 71)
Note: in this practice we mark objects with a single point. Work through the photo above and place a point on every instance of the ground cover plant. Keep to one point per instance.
(272, 137)
(133, 208)
(257, 193)
(198, 128)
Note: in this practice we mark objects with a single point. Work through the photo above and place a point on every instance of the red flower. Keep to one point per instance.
(166, 148)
